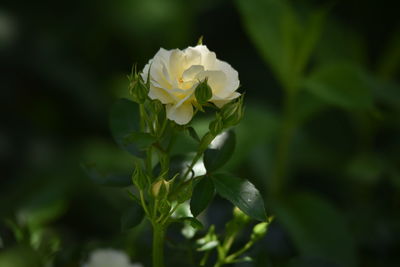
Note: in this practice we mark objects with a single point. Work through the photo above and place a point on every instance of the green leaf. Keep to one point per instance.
(202, 195)
(138, 139)
(192, 133)
(196, 224)
(220, 151)
(209, 245)
(275, 31)
(117, 180)
(310, 38)
(132, 216)
(124, 121)
(240, 193)
(341, 84)
(318, 230)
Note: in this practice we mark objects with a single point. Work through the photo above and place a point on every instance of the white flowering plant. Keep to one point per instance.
(172, 88)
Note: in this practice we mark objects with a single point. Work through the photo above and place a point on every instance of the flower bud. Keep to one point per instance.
(160, 189)
(240, 217)
(138, 89)
(164, 207)
(259, 230)
(203, 92)
(157, 106)
(216, 126)
(232, 112)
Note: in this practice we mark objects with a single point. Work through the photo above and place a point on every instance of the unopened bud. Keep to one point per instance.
(164, 207)
(157, 106)
(160, 189)
(216, 126)
(259, 230)
(239, 216)
(138, 89)
(232, 112)
(203, 92)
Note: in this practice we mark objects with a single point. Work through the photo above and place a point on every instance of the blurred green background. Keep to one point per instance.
(320, 138)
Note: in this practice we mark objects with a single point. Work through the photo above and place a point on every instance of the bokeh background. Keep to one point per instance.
(320, 138)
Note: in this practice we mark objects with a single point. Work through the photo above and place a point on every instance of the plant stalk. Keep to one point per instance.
(158, 245)
(278, 180)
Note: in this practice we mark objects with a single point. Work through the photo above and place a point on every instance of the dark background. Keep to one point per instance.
(63, 63)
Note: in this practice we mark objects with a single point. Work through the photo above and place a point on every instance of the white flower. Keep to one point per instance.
(109, 258)
(174, 75)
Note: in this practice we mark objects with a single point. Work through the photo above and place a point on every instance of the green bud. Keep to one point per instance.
(138, 89)
(203, 92)
(157, 106)
(259, 230)
(160, 189)
(164, 207)
(139, 178)
(232, 112)
(240, 217)
(216, 126)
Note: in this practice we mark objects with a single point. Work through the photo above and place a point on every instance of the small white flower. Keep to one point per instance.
(174, 75)
(109, 258)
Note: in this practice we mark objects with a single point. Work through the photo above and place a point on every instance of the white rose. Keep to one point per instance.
(174, 75)
(108, 258)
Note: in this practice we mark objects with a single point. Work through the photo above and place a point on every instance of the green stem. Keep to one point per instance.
(158, 245)
(233, 256)
(226, 246)
(205, 142)
(164, 220)
(149, 160)
(142, 118)
(288, 126)
(144, 203)
(194, 161)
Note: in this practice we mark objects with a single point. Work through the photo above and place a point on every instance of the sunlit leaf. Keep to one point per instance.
(192, 221)
(240, 193)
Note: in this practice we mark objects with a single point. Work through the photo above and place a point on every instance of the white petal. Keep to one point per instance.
(192, 57)
(175, 63)
(192, 72)
(220, 102)
(216, 80)
(232, 76)
(145, 71)
(160, 94)
(182, 114)
(208, 58)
